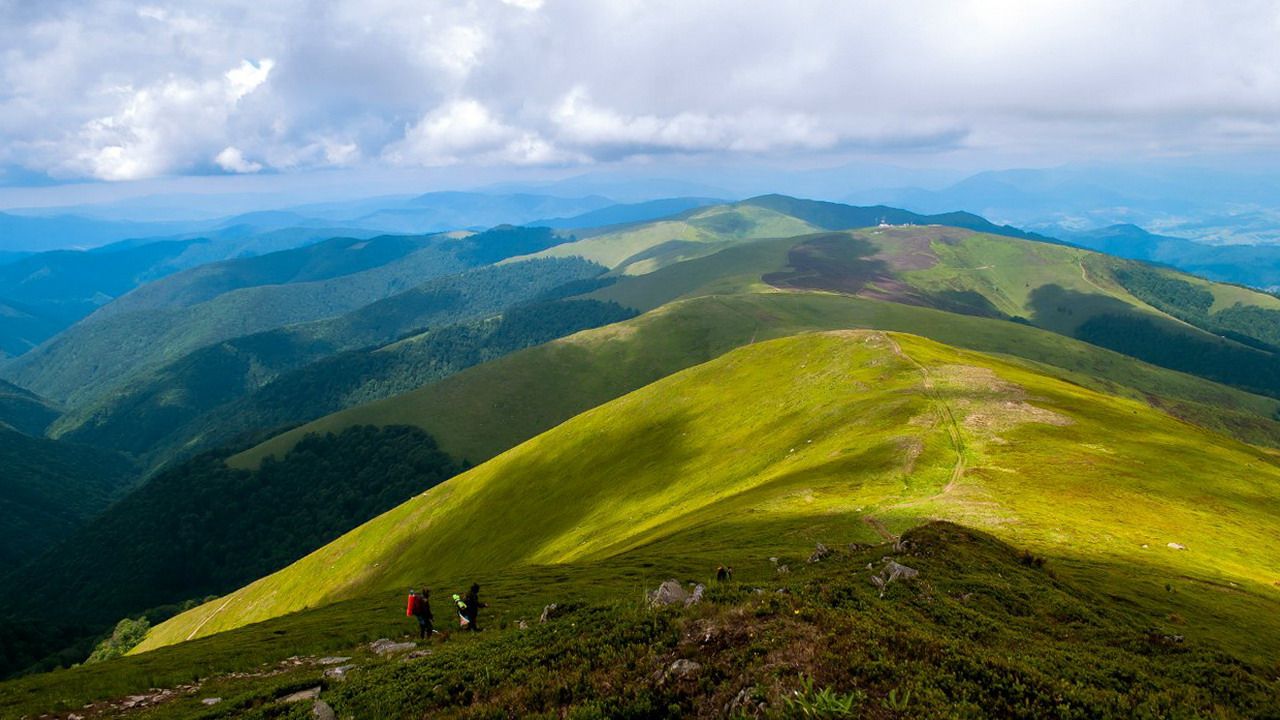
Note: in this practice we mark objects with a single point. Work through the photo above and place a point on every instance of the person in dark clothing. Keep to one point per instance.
(472, 610)
(422, 610)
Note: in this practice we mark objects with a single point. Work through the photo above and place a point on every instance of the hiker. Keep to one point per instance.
(420, 607)
(463, 620)
(472, 607)
(724, 574)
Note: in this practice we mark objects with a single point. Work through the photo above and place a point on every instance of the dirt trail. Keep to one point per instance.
(879, 527)
(209, 617)
(948, 418)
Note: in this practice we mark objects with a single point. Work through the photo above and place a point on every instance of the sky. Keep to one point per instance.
(102, 92)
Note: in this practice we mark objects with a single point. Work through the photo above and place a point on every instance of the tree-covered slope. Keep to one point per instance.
(25, 411)
(215, 303)
(48, 488)
(171, 411)
(201, 527)
(844, 433)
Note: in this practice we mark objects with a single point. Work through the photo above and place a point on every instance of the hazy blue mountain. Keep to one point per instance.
(453, 210)
(1255, 265)
(1199, 203)
(18, 232)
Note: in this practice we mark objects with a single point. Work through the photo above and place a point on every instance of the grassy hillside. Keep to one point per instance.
(488, 409)
(162, 414)
(49, 488)
(641, 248)
(637, 249)
(844, 436)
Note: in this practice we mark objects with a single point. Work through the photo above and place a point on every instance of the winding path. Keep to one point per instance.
(948, 418)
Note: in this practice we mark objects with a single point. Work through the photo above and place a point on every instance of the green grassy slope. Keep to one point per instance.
(488, 409)
(642, 248)
(837, 435)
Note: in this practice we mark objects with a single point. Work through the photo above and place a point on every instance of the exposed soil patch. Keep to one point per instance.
(1004, 405)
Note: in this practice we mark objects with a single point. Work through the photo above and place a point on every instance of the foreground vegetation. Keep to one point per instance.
(984, 630)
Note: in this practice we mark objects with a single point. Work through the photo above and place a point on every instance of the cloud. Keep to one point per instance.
(232, 160)
(465, 130)
(161, 128)
(114, 91)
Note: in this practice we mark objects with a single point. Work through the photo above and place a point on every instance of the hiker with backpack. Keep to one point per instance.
(420, 607)
(470, 608)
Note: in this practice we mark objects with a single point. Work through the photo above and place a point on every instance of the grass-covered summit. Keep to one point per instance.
(835, 437)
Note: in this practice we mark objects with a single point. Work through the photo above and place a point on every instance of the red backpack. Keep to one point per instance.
(412, 608)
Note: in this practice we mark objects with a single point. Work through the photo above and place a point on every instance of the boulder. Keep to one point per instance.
(339, 672)
(670, 592)
(322, 711)
(696, 595)
(211, 701)
(683, 669)
(820, 553)
(548, 612)
(1177, 546)
(332, 660)
(308, 694)
(383, 646)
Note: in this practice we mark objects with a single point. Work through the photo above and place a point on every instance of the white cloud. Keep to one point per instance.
(465, 130)
(247, 77)
(118, 91)
(163, 128)
(232, 160)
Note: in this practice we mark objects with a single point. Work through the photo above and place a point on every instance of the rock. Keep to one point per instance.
(671, 592)
(548, 612)
(820, 553)
(522, 624)
(899, 571)
(416, 654)
(668, 593)
(696, 596)
(1177, 546)
(211, 701)
(322, 711)
(338, 673)
(383, 646)
(308, 694)
(683, 669)
(891, 571)
(332, 660)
